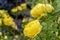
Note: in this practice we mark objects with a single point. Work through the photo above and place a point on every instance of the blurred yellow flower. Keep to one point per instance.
(0, 21)
(5, 15)
(5, 37)
(38, 10)
(14, 26)
(14, 10)
(24, 20)
(32, 29)
(56, 33)
(49, 8)
(0, 33)
(2, 11)
(16, 36)
(24, 5)
(8, 21)
(30, 19)
(19, 8)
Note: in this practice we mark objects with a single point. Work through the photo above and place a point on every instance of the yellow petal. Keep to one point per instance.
(14, 10)
(32, 29)
(24, 20)
(24, 5)
(14, 26)
(7, 21)
(19, 8)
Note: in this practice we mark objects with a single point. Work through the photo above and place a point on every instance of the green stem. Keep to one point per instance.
(33, 2)
(50, 2)
(45, 1)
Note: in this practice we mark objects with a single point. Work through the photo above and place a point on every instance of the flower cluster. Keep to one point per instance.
(21, 7)
(40, 9)
(33, 28)
(7, 20)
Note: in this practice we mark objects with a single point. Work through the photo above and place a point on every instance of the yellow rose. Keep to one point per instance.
(49, 8)
(19, 8)
(14, 10)
(24, 5)
(38, 10)
(7, 21)
(32, 29)
(5, 15)
(0, 22)
(14, 26)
